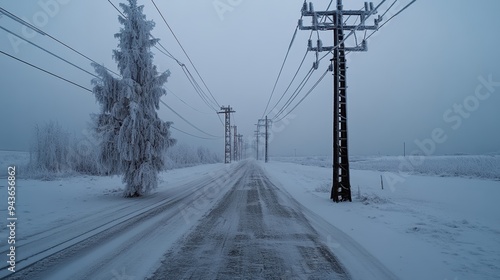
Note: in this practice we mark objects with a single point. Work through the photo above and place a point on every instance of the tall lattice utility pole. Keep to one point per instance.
(235, 143)
(334, 20)
(227, 135)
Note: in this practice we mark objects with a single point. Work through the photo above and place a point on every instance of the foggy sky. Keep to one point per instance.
(418, 80)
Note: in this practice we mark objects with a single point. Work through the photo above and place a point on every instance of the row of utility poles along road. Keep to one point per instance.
(235, 152)
(324, 21)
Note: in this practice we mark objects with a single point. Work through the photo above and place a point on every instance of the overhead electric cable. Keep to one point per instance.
(281, 70)
(299, 88)
(184, 119)
(192, 135)
(27, 24)
(46, 71)
(393, 16)
(186, 102)
(49, 52)
(295, 93)
(305, 96)
(183, 50)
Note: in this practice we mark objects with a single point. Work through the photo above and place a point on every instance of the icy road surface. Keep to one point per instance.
(232, 223)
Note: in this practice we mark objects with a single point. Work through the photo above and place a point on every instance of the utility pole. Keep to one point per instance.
(267, 142)
(235, 144)
(227, 135)
(257, 142)
(240, 147)
(261, 123)
(341, 186)
(268, 123)
(245, 148)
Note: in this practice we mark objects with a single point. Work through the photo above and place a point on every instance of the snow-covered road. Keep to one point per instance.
(254, 232)
(229, 223)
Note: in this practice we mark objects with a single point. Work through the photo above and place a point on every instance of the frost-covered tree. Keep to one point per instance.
(134, 139)
(50, 149)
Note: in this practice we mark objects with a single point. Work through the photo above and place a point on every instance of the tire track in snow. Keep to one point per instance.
(254, 232)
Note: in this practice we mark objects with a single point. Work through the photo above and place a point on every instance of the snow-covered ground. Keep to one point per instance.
(424, 227)
(56, 215)
(420, 227)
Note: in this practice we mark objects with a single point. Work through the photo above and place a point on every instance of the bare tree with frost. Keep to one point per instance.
(133, 138)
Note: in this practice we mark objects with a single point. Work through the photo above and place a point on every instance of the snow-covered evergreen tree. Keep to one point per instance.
(134, 139)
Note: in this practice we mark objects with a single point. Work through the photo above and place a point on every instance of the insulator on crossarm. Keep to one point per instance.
(367, 7)
(378, 21)
(316, 65)
(304, 7)
(372, 8)
(301, 23)
(320, 45)
(311, 7)
(309, 44)
(315, 21)
(364, 44)
(317, 60)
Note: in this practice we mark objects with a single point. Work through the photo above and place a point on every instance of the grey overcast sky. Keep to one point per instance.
(420, 74)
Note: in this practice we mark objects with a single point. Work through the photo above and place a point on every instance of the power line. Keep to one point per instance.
(395, 15)
(299, 89)
(78, 85)
(46, 71)
(27, 24)
(387, 21)
(21, 21)
(116, 8)
(291, 82)
(186, 102)
(47, 51)
(294, 76)
(188, 122)
(296, 73)
(281, 70)
(341, 187)
(183, 50)
(89, 90)
(295, 93)
(198, 89)
(388, 9)
(287, 104)
(305, 96)
(185, 70)
(192, 135)
(165, 52)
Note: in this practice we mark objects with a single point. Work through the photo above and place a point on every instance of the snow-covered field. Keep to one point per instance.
(421, 227)
(467, 166)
